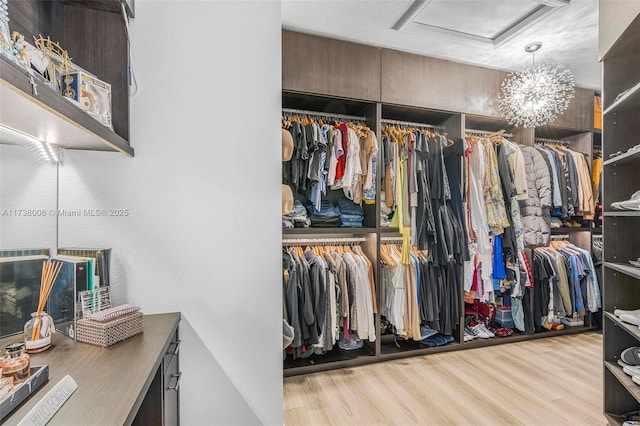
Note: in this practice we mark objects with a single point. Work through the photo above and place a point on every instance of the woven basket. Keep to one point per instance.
(108, 333)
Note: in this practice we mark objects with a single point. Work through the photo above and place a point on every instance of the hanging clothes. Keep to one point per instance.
(329, 299)
(566, 282)
(417, 297)
(330, 157)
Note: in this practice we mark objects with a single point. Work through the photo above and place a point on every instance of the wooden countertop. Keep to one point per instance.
(112, 382)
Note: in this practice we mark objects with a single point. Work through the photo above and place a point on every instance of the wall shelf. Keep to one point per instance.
(48, 116)
(629, 270)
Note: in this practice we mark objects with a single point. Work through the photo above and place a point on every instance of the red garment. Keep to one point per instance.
(342, 160)
(528, 268)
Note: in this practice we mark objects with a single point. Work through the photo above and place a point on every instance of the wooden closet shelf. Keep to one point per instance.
(341, 232)
(625, 380)
(564, 230)
(622, 213)
(632, 271)
(623, 158)
(629, 100)
(633, 330)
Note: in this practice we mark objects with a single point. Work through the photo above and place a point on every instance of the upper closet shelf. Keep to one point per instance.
(328, 231)
(630, 99)
(47, 116)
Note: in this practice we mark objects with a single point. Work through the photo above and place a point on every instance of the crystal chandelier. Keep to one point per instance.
(537, 94)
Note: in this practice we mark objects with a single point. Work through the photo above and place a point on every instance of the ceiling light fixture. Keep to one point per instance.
(43, 149)
(537, 94)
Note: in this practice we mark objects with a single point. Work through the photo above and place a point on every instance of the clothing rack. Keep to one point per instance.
(321, 115)
(545, 141)
(317, 241)
(560, 237)
(411, 124)
(485, 132)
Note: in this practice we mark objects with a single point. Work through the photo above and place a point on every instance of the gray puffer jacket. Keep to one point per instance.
(535, 210)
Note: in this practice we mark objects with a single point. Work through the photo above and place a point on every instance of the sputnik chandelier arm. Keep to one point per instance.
(537, 94)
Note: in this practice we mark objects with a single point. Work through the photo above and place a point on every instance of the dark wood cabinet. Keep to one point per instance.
(161, 402)
(330, 67)
(415, 80)
(130, 382)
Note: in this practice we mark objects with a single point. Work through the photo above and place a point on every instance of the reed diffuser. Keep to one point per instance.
(37, 331)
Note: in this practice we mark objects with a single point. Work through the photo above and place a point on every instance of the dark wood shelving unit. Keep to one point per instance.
(383, 90)
(621, 288)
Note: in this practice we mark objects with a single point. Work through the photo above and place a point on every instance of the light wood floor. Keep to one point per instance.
(554, 381)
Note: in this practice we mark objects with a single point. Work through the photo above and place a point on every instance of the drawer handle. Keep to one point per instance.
(178, 379)
(176, 349)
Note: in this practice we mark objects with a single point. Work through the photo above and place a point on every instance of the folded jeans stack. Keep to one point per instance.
(297, 218)
(327, 217)
(351, 214)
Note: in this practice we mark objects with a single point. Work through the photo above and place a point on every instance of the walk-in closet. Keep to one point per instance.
(484, 226)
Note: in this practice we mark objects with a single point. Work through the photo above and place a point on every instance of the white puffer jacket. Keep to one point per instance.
(535, 210)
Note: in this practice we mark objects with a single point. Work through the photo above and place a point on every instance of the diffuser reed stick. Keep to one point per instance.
(50, 271)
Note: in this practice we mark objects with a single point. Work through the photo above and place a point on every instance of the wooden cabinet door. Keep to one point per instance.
(579, 115)
(319, 65)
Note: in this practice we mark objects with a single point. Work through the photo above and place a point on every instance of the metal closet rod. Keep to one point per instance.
(555, 141)
(411, 123)
(486, 132)
(297, 241)
(560, 237)
(286, 111)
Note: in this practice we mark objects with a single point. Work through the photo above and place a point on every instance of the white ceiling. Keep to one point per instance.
(490, 33)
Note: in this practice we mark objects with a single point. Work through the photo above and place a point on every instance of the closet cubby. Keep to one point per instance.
(620, 384)
(329, 105)
(621, 281)
(410, 88)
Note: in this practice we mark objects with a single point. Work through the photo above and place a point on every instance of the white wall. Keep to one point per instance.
(614, 17)
(28, 188)
(203, 231)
